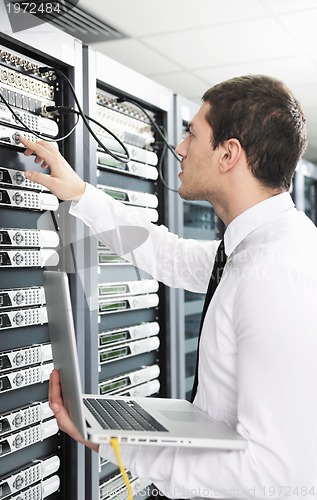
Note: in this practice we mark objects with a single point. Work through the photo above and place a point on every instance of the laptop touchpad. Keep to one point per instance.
(184, 416)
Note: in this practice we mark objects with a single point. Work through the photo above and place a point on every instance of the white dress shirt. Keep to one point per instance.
(258, 349)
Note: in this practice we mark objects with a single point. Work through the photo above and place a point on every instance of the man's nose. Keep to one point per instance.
(181, 148)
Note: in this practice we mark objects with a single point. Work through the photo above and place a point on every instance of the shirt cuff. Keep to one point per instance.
(78, 198)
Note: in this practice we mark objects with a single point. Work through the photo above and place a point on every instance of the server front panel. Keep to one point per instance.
(32, 461)
(126, 319)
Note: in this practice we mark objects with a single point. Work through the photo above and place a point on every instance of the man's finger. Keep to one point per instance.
(33, 145)
(43, 150)
(55, 396)
(43, 179)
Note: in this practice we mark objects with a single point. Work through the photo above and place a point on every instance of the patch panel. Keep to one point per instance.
(21, 297)
(37, 238)
(124, 382)
(28, 476)
(110, 289)
(24, 417)
(12, 198)
(28, 376)
(27, 437)
(18, 358)
(129, 349)
(134, 168)
(28, 258)
(37, 123)
(16, 178)
(133, 332)
(130, 197)
(122, 304)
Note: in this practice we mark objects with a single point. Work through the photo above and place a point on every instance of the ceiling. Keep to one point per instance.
(189, 45)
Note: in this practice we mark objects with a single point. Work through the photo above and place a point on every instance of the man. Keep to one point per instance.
(258, 346)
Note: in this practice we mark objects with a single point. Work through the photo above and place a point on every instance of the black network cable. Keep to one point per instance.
(63, 109)
(157, 128)
(122, 159)
(60, 110)
(26, 127)
(160, 168)
(162, 135)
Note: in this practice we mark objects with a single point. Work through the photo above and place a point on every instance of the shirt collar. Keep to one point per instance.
(254, 217)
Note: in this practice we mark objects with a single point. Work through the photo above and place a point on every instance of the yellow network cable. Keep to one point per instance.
(115, 445)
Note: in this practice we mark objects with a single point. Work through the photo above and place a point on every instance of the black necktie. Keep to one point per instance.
(219, 264)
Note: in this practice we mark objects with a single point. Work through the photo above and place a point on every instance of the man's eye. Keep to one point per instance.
(189, 133)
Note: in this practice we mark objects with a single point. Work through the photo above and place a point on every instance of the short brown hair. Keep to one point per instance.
(262, 113)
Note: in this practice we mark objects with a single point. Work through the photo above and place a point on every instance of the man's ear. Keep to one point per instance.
(231, 153)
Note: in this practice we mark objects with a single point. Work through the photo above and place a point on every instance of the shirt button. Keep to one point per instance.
(230, 263)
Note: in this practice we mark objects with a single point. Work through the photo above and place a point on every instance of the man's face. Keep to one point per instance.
(198, 174)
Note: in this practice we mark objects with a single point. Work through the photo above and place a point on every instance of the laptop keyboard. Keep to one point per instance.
(122, 415)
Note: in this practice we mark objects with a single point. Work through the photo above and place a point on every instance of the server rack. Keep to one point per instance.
(31, 239)
(305, 188)
(128, 313)
(199, 221)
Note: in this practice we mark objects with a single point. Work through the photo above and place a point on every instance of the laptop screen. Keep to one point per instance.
(63, 340)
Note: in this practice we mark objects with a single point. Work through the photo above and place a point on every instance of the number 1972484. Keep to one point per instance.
(33, 8)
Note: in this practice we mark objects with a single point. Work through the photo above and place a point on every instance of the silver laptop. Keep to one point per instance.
(152, 421)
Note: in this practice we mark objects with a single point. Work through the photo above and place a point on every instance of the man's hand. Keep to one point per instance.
(61, 414)
(63, 181)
